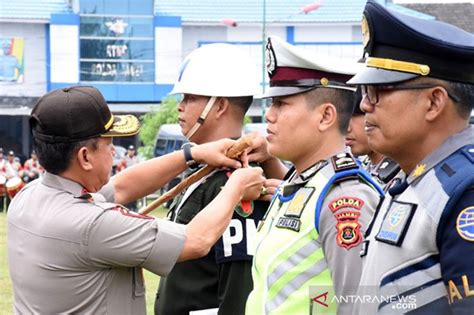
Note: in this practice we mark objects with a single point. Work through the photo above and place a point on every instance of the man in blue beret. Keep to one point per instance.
(418, 92)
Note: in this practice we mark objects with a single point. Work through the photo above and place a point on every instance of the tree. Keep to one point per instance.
(165, 113)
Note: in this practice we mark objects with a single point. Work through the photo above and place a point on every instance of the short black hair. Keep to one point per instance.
(465, 93)
(343, 100)
(56, 157)
(241, 102)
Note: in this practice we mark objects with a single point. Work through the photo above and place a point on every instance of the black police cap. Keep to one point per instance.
(75, 114)
(402, 47)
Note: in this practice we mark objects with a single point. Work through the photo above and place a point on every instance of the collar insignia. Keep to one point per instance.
(420, 168)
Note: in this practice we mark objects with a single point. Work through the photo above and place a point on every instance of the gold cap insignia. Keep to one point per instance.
(365, 31)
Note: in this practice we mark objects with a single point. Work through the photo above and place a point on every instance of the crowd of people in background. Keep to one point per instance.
(337, 233)
(14, 175)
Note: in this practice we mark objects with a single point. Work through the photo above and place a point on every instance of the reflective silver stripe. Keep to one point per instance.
(417, 299)
(411, 281)
(292, 261)
(295, 285)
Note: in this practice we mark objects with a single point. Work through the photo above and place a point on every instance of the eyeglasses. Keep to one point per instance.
(372, 91)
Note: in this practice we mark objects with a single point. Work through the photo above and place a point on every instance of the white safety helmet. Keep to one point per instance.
(218, 70)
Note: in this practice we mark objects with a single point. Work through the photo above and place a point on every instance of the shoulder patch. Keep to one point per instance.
(348, 229)
(343, 161)
(465, 224)
(346, 202)
(346, 210)
(244, 208)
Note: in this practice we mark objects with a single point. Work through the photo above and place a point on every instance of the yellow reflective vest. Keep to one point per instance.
(287, 264)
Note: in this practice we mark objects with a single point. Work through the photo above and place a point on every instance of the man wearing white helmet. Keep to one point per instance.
(217, 82)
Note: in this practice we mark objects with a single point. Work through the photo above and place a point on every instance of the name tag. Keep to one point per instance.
(396, 222)
(289, 223)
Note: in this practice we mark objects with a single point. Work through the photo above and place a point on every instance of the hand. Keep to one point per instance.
(269, 189)
(213, 154)
(249, 181)
(258, 151)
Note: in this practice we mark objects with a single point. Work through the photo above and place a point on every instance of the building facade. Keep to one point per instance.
(132, 49)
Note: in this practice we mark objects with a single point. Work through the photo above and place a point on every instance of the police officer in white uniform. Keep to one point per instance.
(418, 89)
(70, 248)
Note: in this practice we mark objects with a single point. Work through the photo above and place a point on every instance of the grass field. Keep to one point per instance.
(5, 283)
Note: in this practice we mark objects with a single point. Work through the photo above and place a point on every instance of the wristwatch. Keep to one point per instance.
(190, 162)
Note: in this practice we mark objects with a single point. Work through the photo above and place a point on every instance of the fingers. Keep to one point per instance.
(244, 158)
(251, 181)
(258, 150)
(269, 189)
(214, 154)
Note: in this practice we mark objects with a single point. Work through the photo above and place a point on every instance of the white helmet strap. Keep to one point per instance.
(202, 117)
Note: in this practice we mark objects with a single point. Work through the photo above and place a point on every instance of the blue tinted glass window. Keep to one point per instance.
(125, 7)
(111, 26)
(117, 40)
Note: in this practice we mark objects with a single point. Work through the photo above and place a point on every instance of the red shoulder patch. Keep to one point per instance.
(348, 229)
(346, 210)
(346, 202)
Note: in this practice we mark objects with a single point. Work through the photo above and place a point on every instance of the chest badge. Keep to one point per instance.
(396, 222)
(299, 201)
(291, 219)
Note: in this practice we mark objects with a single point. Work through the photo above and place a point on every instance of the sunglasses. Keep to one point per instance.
(371, 92)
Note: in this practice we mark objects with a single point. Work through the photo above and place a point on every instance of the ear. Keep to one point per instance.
(438, 99)
(84, 158)
(222, 106)
(328, 114)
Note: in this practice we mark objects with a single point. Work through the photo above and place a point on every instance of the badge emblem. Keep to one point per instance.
(298, 203)
(420, 168)
(365, 31)
(348, 229)
(117, 26)
(270, 58)
(396, 222)
(465, 224)
(397, 216)
(346, 202)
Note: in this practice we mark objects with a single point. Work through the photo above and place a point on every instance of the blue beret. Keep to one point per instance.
(402, 47)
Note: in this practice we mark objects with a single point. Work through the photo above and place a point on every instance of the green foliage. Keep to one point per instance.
(165, 113)
(247, 120)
